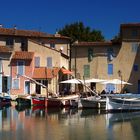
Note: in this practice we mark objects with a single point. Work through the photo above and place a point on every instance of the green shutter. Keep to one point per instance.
(86, 70)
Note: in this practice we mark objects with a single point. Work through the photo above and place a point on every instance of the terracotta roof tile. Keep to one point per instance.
(5, 49)
(27, 33)
(23, 55)
(93, 43)
(43, 73)
(130, 25)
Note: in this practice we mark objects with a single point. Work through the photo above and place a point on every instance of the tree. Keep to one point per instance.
(78, 31)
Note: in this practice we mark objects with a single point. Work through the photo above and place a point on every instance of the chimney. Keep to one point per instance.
(1, 26)
(15, 27)
(57, 34)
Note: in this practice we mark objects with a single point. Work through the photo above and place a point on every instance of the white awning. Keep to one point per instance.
(116, 82)
(72, 81)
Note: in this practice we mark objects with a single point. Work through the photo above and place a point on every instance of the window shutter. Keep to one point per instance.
(15, 83)
(37, 61)
(86, 70)
(110, 69)
(20, 65)
(49, 62)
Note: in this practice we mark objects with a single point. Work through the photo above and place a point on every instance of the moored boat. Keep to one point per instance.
(5, 100)
(38, 101)
(66, 101)
(23, 100)
(89, 102)
(123, 104)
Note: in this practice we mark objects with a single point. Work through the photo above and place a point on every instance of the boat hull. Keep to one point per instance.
(23, 101)
(38, 101)
(4, 101)
(89, 102)
(67, 101)
(116, 104)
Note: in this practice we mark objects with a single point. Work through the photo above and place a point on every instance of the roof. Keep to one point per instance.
(23, 55)
(5, 49)
(130, 25)
(93, 43)
(43, 73)
(28, 33)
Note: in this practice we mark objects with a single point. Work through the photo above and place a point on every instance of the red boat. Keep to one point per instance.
(38, 101)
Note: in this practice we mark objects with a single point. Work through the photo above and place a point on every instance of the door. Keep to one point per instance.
(93, 86)
(27, 87)
(38, 87)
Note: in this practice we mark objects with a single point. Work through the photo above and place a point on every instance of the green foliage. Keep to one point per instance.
(78, 31)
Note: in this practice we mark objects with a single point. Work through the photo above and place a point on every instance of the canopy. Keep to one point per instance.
(94, 80)
(65, 71)
(116, 82)
(72, 81)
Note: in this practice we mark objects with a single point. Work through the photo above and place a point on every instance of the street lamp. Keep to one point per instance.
(120, 75)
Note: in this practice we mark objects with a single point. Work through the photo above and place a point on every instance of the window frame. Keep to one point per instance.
(13, 84)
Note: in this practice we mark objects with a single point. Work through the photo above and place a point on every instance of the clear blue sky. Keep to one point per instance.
(49, 15)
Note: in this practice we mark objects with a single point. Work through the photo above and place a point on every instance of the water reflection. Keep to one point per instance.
(70, 124)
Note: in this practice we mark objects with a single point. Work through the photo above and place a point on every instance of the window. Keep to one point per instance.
(90, 54)
(9, 42)
(110, 69)
(52, 45)
(110, 54)
(23, 45)
(15, 83)
(86, 70)
(37, 61)
(20, 67)
(135, 47)
(135, 67)
(49, 62)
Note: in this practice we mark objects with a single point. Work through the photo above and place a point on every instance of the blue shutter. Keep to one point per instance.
(20, 67)
(87, 70)
(110, 69)
(37, 61)
(49, 62)
(8, 84)
(15, 83)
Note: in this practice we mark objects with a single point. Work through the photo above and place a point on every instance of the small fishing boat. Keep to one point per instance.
(23, 100)
(92, 102)
(123, 104)
(66, 101)
(38, 101)
(5, 100)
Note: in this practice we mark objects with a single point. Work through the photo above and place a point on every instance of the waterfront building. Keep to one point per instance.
(33, 54)
(115, 59)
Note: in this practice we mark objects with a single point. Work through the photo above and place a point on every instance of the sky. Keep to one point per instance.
(51, 15)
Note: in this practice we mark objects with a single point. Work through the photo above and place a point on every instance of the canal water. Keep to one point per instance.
(23, 123)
